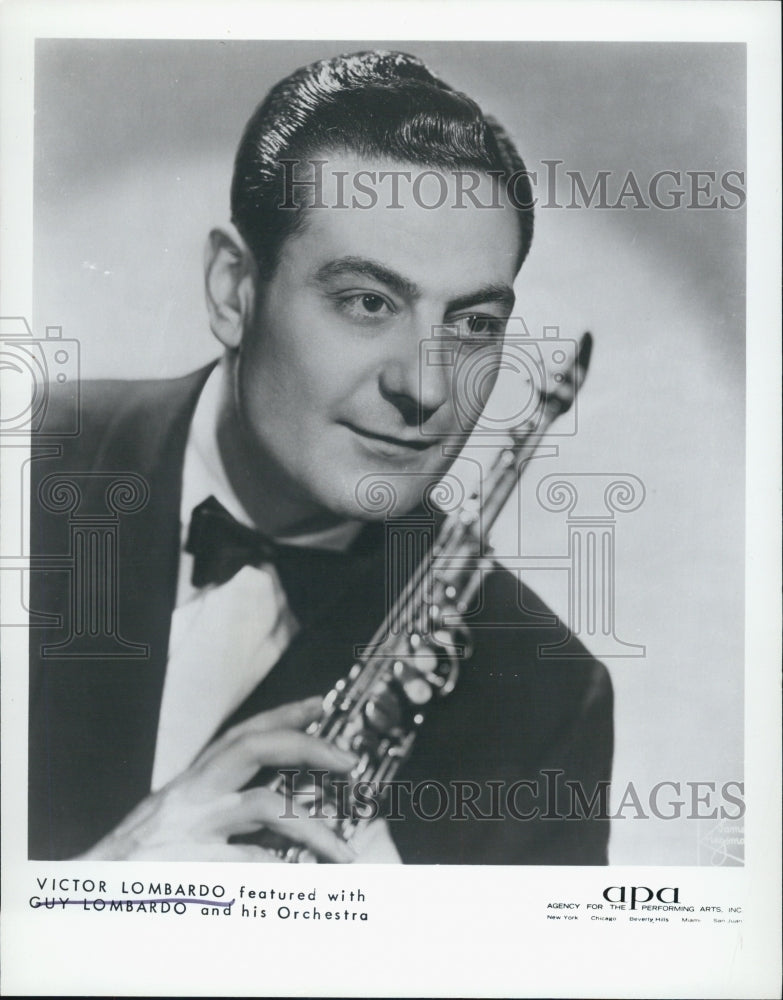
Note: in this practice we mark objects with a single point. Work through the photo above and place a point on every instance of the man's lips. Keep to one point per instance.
(409, 443)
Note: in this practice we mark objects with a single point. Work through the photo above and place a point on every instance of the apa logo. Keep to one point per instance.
(633, 894)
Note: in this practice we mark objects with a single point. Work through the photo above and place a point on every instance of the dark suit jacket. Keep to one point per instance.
(97, 666)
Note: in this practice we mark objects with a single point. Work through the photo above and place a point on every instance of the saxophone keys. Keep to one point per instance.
(426, 661)
(416, 688)
(470, 511)
(383, 710)
(450, 678)
(417, 691)
(367, 747)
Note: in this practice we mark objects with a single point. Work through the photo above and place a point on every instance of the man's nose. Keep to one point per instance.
(417, 389)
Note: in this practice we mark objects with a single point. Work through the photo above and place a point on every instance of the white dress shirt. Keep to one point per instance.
(226, 638)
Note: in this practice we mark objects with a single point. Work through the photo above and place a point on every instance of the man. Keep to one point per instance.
(321, 301)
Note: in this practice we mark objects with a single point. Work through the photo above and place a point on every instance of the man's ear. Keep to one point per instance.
(230, 286)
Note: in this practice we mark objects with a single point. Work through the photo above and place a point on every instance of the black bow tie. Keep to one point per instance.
(221, 547)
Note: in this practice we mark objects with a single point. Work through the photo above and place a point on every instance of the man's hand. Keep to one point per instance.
(192, 818)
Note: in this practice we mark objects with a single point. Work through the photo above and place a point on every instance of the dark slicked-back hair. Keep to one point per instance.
(374, 104)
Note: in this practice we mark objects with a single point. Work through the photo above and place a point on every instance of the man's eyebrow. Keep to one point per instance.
(370, 269)
(493, 292)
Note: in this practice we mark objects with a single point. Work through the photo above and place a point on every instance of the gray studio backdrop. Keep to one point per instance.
(133, 150)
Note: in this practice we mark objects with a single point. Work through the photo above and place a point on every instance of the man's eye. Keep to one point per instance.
(365, 306)
(482, 326)
(372, 303)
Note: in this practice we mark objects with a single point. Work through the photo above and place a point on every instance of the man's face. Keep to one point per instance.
(330, 383)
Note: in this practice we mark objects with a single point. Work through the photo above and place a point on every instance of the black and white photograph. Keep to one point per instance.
(381, 502)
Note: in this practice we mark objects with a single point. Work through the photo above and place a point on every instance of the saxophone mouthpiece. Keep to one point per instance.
(561, 399)
(585, 350)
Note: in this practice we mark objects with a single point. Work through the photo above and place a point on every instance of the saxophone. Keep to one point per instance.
(377, 710)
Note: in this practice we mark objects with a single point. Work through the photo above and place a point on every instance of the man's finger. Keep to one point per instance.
(232, 763)
(259, 807)
(293, 715)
